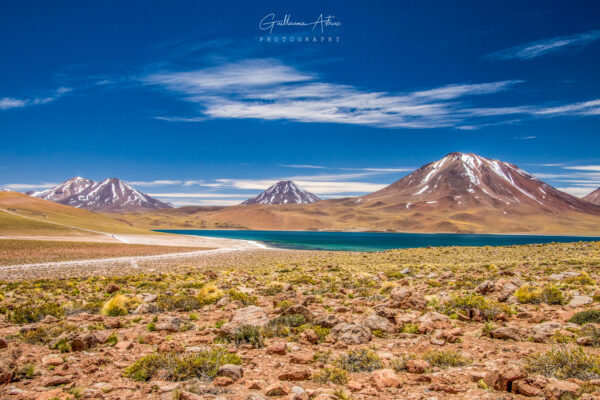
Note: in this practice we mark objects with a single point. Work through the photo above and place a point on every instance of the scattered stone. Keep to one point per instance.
(56, 380)
(309, 336)
(52, 360)
(251, 315)
(559, 390)
(112, 288)
(294, 375)
(485, 287)
(385, 378)
(279, 347)
(503, 379)
(350, 333)
(578, 301)
(172, 325)
(407, 298)
(328, 321)
(375, 322)
(222, 381)
(277, 389)
(235, 372)
(300, 309)
(417, 366)
(505, 333)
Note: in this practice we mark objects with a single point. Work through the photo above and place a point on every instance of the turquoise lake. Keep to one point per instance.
(374, 241)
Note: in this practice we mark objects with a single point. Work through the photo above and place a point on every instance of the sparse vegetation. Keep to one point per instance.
(535, 295)
(445, 359)
(585, 317)
(565, 362)
(175, 367)
(361, 360)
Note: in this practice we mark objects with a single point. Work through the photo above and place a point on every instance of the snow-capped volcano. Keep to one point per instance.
(593, 197)
(283, 192)
(65, 190)
(464, 180)
(110, 195)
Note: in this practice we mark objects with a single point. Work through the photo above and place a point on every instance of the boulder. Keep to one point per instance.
(541, 332)
(350, 333)
(375, 322)
(558, 390)
(417, 366)
(578, 301)
(251, 315)
(502, 379)
(294, 375)
(403, 297)
(171, 325)
(299, 309)
(505, 333)
(235, 372)
(485, 287)
(327, 321)
(385, 378)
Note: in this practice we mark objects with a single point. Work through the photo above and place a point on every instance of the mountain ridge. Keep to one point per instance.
(109, 195)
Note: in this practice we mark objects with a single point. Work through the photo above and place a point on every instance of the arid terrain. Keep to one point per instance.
(445, 323)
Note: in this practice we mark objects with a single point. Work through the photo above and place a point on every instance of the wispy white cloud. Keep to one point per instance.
(7, 103)
(29, 186)
(584, 167)
(578, 191)
(302, 166)
(546, 46)
(269, 90)
(199, 195)
(157, 182)
(318, 187)
(266, 89)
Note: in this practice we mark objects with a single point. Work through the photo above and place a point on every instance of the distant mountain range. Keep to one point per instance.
(110, 195)
(593, 197)
(283, 192)
(462, 192)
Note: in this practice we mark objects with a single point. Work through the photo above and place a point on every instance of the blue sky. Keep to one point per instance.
(195, 103)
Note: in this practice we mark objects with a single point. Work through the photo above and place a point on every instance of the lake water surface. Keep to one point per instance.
(375, 241)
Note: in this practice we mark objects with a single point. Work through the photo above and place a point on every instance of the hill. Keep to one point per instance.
(26, 215)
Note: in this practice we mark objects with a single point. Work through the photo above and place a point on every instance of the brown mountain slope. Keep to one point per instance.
(593, 197)
(26, 215)
(459, 193)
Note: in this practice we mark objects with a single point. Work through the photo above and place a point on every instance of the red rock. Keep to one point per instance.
(417, 366)
(503, 379)
(185, 395)
(294, 375)
(556, 390)
(309, 337)
(57, 380)
(302, 357)
(278, 347)
(524, 388)
(354, 386)
(277, 389)
(385, 378)
(222, 381)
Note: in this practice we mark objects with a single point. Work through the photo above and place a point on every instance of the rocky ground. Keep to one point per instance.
(441, 323)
